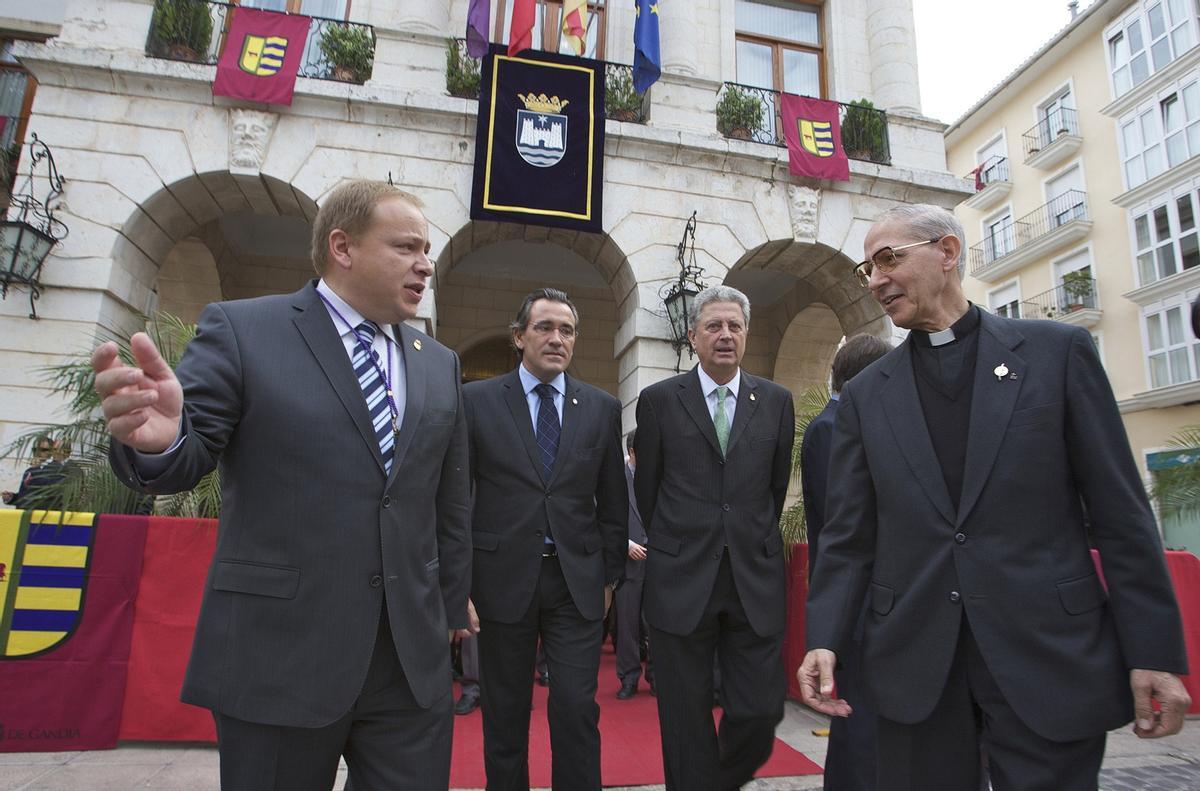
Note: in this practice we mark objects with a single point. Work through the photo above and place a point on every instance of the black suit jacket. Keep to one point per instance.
(814, 476)
(634, 569)
(314, 534)
(694, 502)
(1044, 436)
(584, 504)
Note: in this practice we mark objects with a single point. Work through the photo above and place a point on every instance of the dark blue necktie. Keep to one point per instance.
(548, 429)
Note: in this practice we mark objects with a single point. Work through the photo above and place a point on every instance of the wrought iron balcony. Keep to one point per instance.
(748, 113)
(1017, 242)
(1052, 138)
(621, 101)
(1066, 302)
(992, 169)
(195, 31)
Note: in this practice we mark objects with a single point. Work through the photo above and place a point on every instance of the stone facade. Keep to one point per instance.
(175, 198)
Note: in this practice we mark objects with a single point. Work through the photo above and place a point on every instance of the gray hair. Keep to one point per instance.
(930, 222)
(718, 294)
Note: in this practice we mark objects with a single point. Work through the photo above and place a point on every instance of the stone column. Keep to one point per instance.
(677, 23)
(893, 45)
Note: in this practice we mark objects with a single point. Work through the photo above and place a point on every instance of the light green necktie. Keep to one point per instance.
(721, 418)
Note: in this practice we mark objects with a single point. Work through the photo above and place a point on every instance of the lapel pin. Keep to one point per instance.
(1012, 376)
(752, 396)
(1000, 371)
(417, 344)
(575, 401)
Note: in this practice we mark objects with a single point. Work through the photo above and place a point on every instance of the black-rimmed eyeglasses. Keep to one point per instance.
(885, 260)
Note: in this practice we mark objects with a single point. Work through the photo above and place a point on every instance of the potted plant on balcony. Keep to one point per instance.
(462, 71)
(1077, 286)
(621, 101)
(350, 51)
(864, 131)
(739, 113)
(182, 29)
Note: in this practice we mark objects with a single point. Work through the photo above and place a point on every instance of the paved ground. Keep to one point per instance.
(1130, 764)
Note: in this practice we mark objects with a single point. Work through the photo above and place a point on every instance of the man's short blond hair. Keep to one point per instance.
(349, 207)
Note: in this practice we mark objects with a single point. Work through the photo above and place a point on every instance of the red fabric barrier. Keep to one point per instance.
(793, 635)
(178, 553)
(1185, 574)
(66, 695)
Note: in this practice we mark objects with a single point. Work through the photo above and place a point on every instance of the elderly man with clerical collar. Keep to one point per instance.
(961, 467)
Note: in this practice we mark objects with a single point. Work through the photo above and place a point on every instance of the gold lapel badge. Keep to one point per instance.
(752, 397)
(417, 344)
(1000, 371)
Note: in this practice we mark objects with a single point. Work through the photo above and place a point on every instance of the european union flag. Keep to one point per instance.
(647, 63)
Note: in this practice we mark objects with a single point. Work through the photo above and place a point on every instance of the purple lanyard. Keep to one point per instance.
(383, 374)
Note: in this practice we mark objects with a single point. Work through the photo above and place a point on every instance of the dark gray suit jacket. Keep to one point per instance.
(634, 569)
(313, 534)
(1043, 438)
(814, 476)
(584, 504)
(694, 502)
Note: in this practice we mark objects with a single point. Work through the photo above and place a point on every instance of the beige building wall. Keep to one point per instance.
(1076, 60)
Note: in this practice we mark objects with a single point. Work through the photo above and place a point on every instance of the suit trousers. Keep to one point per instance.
(628, 604)
(507, 654)
(943, 751)
(390, 743)
(850, 754)
(696, 756)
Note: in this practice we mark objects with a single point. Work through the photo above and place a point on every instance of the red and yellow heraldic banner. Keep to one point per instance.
(262, 55)
(67, 589)
(814, 138)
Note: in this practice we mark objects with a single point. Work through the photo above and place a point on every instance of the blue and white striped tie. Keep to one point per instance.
(367, 368)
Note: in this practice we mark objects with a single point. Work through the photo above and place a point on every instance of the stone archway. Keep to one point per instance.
(213, 236)
(487, 268)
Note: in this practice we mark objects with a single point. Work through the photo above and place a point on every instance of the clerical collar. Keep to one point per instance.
(960, 329)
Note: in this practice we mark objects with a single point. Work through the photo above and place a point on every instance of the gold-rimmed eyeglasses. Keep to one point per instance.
(885, 260)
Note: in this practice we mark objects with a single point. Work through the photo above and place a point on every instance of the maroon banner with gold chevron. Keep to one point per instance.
(67, 587)
(262, 55)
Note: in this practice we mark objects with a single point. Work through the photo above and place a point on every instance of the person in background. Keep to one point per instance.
(850, 754)
(629, 596)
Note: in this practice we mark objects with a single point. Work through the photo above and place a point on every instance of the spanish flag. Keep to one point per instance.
(574, 24)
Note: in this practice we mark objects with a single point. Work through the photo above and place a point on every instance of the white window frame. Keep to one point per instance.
(1014, 286)
(1010, 241)
(1077, 165)
(1186, 342)
(1181, 35)
(1002, 139)
(1056, 274)
(1175, 238)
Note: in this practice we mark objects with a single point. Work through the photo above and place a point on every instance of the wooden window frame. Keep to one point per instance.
(778, 45)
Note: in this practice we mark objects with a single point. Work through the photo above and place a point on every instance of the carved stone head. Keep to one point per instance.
(249, 135)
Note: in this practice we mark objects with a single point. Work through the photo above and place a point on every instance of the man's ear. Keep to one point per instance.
(951, 247)
(339, 248)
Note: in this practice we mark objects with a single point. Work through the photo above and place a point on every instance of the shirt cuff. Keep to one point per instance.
(151, 465)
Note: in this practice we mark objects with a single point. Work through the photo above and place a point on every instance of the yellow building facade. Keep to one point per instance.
(1086, 168)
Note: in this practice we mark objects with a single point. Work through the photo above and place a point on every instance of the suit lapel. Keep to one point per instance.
(518, 409)
(902, 405)
(572, 416)
(992, 404)
(747, 404)
(416, 376)
(325, 343)
(692, 398)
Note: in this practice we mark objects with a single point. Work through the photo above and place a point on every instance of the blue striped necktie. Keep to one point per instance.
(548, 429)
(367, 366)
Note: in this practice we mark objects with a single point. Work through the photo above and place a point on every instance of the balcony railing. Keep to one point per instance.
(621, 101)
(1061, 300)
(1010, 237)
(195, 31)
(994, 168)
(1062, 121)
(748, 113)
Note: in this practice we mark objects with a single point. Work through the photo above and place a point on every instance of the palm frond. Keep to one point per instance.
(89, 483)
(792, 525)
(1177, 489)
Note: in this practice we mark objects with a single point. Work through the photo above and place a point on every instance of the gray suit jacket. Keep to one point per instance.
(584, 504)
(1045, 439)
(314, 535)
(634, 569)
(694, 502)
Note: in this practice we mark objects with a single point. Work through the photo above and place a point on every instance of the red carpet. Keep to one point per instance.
(631, 753)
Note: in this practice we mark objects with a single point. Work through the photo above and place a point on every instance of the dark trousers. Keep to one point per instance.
(943, 751)
(628, 604)
(507, 654)
(390, 743)
(696, 756)
(470, 666)
(850, 754)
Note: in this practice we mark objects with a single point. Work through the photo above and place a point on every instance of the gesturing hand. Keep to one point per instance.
(142, 406)
(816, 683)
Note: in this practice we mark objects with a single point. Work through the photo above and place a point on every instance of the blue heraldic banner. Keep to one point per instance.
(539, 144)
